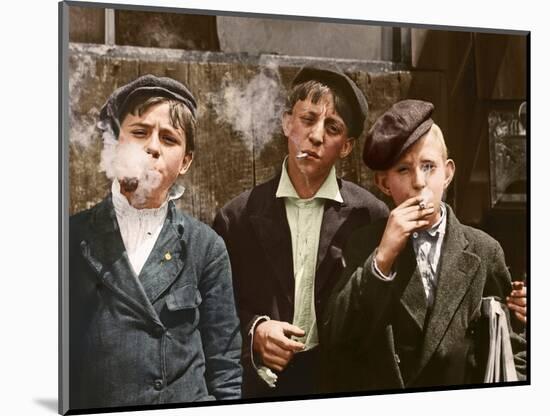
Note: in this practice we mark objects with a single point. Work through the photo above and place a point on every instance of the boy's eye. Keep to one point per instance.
(170, 139)
(334, 129)
(402, 169)
(427, 167)
(307, 120)
(139, 133)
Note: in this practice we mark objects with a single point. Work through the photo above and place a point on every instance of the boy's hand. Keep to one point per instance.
(273, 345)
(403, 220)
(517, 301)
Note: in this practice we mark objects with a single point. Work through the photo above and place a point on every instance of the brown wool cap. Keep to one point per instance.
(395, 131)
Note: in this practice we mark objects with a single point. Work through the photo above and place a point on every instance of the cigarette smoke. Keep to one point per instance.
(82, 124)
(253, 110)
(427, 195)
(129, 161)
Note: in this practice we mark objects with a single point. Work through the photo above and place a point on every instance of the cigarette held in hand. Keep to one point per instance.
(426, 195)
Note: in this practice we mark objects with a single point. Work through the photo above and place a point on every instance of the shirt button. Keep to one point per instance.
(158, 384)
(415, 235)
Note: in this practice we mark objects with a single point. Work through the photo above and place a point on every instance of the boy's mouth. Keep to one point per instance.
(129, 184)
(303, 154)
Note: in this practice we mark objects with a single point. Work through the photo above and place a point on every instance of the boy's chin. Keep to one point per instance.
(433, 218)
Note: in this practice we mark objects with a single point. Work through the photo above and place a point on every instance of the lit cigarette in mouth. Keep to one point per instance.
(301, 155)
(129, 184)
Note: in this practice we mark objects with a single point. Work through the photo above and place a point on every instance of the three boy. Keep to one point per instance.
(153, 318)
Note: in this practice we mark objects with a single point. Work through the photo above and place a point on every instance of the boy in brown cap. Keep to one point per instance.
(406, 311)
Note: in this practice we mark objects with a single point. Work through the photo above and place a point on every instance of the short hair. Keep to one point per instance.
(438, 134)
(180, 116)
(314, 90)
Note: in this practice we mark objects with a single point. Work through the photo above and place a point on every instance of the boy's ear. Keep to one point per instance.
(186, 163)
(449, 171)
(286, 123)
(380, 179)
(347, 147)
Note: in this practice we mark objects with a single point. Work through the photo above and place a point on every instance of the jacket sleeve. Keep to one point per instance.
(219, 326)
(247, 318)
(357, 305)
(356, 310)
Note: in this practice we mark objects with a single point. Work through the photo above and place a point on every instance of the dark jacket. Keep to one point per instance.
(381, 335)
(169, 335)
(257, 235)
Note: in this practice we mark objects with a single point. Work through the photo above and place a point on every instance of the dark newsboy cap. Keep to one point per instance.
(335, 79)
(395, 131)
(146, 84)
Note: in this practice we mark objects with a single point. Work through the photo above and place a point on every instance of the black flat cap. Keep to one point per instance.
(146, 84)
(395, 131)
(335, 79)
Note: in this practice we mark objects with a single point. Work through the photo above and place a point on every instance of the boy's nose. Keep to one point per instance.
(316, 133)
(153, 145)
(419, 179)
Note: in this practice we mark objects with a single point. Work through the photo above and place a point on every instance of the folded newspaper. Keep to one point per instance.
(500, 360)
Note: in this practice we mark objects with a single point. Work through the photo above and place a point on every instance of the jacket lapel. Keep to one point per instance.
(107, 256)
(271, 228)
(413, 296)
(328, 256)
(456, 272)
(165, 262)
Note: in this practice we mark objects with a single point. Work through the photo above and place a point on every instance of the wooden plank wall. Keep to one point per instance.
(228, 159)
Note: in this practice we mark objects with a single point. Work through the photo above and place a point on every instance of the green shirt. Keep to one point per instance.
(304, 218)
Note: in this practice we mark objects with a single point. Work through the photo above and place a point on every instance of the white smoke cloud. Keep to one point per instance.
(253, 110)
(129, 161)
(82, 127)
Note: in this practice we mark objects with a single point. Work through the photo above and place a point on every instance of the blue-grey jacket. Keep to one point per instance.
(169, 335)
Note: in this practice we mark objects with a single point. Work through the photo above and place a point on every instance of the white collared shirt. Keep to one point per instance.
(304, 218)
(140, 228)
(427, 248)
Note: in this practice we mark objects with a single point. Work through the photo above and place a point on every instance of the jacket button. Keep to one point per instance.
(158, 384)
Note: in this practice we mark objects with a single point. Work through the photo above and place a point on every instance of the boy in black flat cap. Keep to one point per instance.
(285, 237)
(152, 314)
(406, 311)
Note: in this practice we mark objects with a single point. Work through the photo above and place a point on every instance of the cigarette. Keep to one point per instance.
(129, 184)
(426, 196)
(301, 155)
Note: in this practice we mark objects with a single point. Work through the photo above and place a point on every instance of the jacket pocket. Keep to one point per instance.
(181, 315)
(185, 297)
